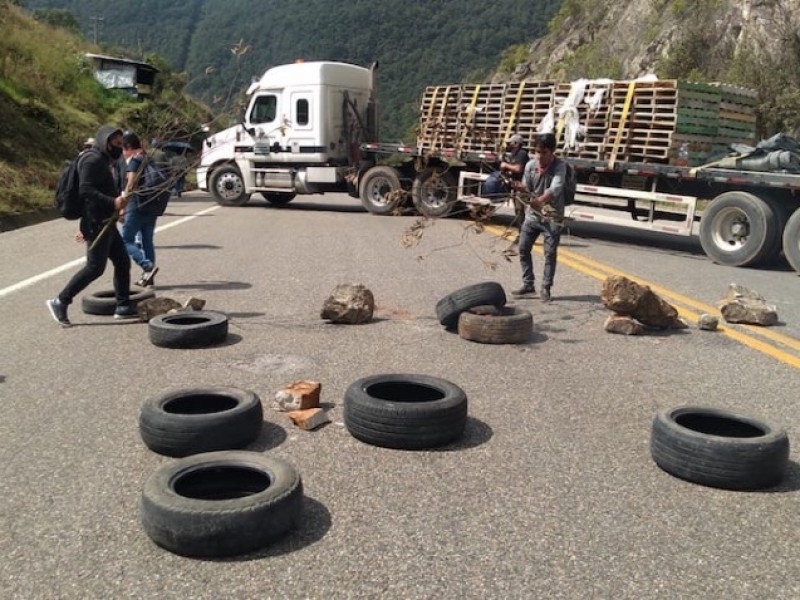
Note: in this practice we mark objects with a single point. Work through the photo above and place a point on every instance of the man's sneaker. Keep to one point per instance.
(525, 290)
(58, 311)
(148, 278)
(126, 312)
(546, 294)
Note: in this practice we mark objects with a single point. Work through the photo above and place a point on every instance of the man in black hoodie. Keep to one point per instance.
(99, 190)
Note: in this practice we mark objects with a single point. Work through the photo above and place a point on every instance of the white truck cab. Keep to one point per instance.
(300, 134)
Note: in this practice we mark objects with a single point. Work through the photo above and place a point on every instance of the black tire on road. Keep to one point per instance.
(434, 193)
(190, 329)
(104, 302)
(718, 448)
(221, 503)
(496, 325)
(408, 412)
(278, 198)
(791, 240)
(739, 229)
(195, 420)
(227, 185)
(380, 190)
(449, 308)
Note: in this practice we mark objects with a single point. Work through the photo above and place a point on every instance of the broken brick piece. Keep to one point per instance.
(299, 395)
(309, 419)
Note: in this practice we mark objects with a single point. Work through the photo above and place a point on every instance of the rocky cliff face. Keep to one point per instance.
(672, 38)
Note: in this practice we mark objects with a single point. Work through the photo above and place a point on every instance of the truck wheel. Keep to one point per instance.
(718, 448)
(408, 412)
(219, 504)
(434, 193)
(738, 229)
(227, 186)
(381, 192)
(791, 240)
(278, 198)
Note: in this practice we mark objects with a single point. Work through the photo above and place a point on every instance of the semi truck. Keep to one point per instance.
(643, 153)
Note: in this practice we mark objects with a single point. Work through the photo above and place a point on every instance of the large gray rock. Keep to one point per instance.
(626, 297)
(349, 303)
(743, 305)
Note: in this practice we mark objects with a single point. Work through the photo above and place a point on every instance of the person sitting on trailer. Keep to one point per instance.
(500, 183)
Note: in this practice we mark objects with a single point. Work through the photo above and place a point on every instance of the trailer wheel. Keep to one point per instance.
(738, 229)
(381, 192)
(227, 186)
(278, 198)
(791, 240)
(434, 193)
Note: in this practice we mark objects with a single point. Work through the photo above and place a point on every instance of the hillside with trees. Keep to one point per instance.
(416, 42)
(50, 102)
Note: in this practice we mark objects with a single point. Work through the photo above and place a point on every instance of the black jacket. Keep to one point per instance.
(99, 183)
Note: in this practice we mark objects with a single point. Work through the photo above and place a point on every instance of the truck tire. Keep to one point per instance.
(381, 192)
(195, 329)
(449, 308)
(227, 185)
(791, 240)
(195, 420)
(104, 302)
(406, 412)
(220, 504)
(496, 325)
(718, 448)
(738, 229)
(434, 193)
(278, 198)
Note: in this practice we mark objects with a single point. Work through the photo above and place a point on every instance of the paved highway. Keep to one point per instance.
(550, 494)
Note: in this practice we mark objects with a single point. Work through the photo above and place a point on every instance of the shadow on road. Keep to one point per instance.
(476, 433)
(314, 523)
(207, 285)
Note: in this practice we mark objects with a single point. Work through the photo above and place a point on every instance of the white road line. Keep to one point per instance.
(74, 263)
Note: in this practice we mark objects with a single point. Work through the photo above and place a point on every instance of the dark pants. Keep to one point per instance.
(496, 187)
(529, 232)
(109, 247)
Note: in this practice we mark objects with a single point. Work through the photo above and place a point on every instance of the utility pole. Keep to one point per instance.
(95, 21)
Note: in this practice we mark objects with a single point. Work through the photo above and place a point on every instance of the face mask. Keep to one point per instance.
(115, 152)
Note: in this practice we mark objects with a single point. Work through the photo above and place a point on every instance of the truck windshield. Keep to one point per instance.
(264, 109)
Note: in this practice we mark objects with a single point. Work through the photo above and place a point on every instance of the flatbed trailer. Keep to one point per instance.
(745, 217)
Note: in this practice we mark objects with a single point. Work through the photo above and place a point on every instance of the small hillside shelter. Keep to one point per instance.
(135, 78)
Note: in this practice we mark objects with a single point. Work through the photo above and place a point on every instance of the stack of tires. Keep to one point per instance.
(480, 314)
(215, 500)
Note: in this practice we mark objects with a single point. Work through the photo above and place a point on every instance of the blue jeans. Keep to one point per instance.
(495, 187)
(529, 232)
(137, 221)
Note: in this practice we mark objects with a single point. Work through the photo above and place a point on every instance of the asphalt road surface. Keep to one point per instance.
(551, 493)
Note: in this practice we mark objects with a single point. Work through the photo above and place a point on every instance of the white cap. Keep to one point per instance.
(516, 139)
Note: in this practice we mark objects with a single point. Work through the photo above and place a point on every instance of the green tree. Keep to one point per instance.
(57, 17)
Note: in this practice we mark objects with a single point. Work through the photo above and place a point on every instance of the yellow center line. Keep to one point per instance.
(600, 271)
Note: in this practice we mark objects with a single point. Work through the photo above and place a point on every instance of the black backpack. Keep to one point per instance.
(68, 199)
(153, 192)
(570, 185)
